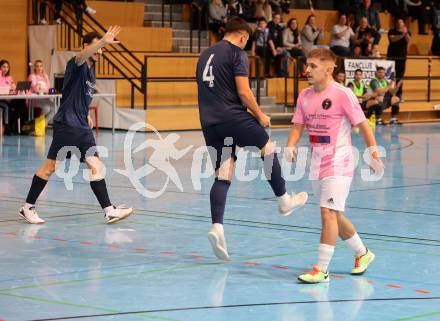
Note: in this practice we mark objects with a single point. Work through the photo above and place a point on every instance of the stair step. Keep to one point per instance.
(268, 101)
(157, 8)
(184, 33)
(185, 49)
(273, 109)
(157, 16)
(176, 24)
(177, 42)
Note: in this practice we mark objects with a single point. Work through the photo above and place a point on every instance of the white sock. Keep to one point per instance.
(284, 200)
(28, 206)
(356, 244)
(325, 253)
(109, 209)
(218, 226)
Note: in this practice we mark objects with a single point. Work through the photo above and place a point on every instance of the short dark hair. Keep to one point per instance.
(261, 19)
(2, 62)
(379, 68)
(237, 24)
(358, 70)
(88, 38)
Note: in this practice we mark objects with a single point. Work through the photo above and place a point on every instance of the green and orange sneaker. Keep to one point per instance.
(361, 263)
(314, 276)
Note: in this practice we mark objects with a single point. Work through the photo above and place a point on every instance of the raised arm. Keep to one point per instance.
(91, 49)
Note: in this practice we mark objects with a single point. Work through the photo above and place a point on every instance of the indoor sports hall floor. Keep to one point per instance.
(158, 265)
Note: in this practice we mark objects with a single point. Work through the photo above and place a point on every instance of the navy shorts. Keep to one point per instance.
(63, 136)
(243, 133)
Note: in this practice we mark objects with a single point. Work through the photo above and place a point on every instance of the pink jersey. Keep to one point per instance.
(329, 116)
(6, 80)
(35, 79)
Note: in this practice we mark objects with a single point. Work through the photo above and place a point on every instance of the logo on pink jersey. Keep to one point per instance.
(326, 104)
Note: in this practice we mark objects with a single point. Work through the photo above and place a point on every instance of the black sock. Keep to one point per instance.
(217, 197)
(37, 187)
(100, 190)
(395, 110)
(374, 109)
(272, 170)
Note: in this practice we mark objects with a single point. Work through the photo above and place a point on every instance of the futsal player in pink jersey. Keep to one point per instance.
(329, 111)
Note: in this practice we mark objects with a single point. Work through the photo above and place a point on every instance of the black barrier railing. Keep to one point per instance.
(145, 79)
(198, 22)
(117, 59)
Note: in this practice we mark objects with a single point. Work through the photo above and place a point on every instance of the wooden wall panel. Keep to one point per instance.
(13, 35)
(127, 14)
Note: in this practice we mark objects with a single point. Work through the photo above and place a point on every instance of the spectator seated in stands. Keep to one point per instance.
(341, 36)
(311, 35)
(248, 10)
(12, 109)
(292, 42)
(234, 9)
(40, 85)
(359, 89)
(280, 6)
(279, 53)
(262, 44)
(364, 37)
(375, 52)
(340, 77)
(383, 96)
(7, 86)
(292, 39)
(217, 18)
(263, 10)
(373, 20)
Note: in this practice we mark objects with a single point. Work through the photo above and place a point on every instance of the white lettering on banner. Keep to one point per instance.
(368, 67)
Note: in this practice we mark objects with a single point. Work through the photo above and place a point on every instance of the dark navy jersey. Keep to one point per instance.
(78, 89)
(218, 97)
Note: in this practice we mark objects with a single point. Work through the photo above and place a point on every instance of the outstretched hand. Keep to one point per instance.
(109, 37)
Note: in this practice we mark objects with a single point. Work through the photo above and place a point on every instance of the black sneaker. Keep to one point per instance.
(380, 122)
(395, 122)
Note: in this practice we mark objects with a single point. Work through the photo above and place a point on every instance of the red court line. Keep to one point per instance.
(280, 267)
(423, 291)
(393, 286)
(87, 243)
(58, 239)
(168, 253)
(139, 249)
(250, 263)
(337, 276)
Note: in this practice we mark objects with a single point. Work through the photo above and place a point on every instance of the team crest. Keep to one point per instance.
(326, 104)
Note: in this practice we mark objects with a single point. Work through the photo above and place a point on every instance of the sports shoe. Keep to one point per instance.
(395, 121)
(30, 214)
(361, 262)
(314, 276)
(287, 205)
(90, 11)
(119, 213)
(380, 122)
(43, 22)
(58, 21)
(216, 237)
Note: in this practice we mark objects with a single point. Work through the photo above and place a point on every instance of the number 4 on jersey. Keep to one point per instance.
(207, 72)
